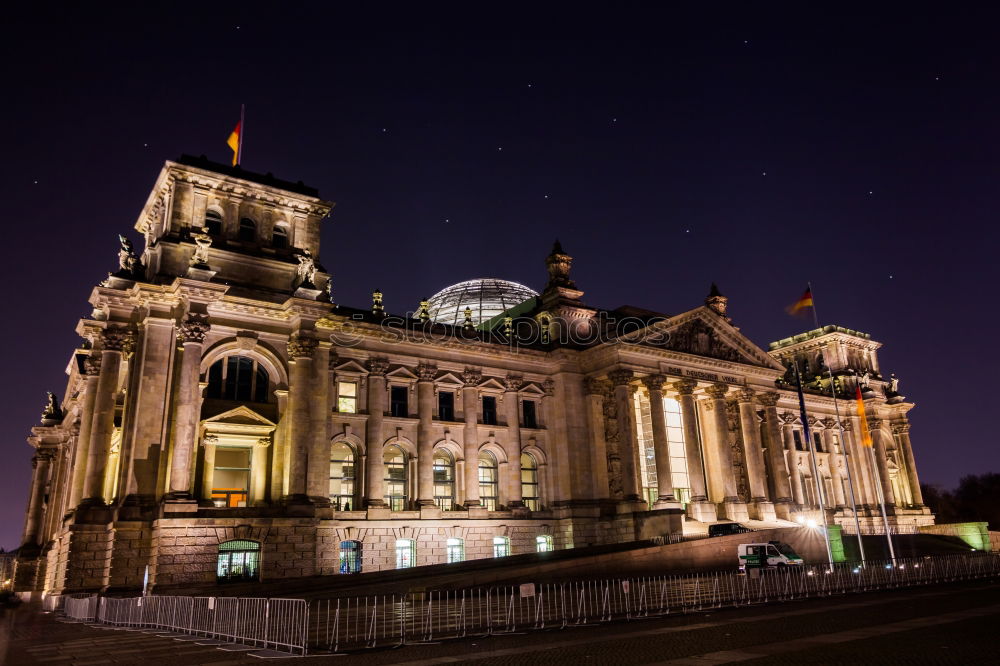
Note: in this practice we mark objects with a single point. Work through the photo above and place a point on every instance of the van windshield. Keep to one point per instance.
(787, 551)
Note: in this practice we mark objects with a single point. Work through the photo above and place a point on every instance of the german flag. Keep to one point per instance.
(866, 436)
(234, 142)
(805, 302)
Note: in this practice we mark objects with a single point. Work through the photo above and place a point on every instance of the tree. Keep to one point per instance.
(977, 499)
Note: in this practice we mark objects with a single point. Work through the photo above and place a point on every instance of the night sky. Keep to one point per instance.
(759, 148)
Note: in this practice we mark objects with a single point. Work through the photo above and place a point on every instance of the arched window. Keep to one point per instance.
(456, 550)
(279, 239)
(239, 560)
(342, 476)
(543, 544)
(529, 482)
(248, 230)
(238, 378)
(501, 546)
(488, 481)
(406, 553)
(444, 480)
(213, 222)
(395, 477)
(350, 557)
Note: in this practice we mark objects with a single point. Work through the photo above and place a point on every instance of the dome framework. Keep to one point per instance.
(486, 297)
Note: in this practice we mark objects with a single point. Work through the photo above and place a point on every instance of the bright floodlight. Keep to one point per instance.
(811, 523)
(486, 297)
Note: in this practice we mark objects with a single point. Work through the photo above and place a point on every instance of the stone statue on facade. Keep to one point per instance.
(893, 384)
(202, 242)
(306, 271)
(865, 380)
(129, 267)
(53, 412)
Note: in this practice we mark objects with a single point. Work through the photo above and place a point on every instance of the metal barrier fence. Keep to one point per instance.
(81, 606)
(352, 623)
(276, 624)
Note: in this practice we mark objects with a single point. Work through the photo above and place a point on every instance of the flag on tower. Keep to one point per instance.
(805, 302)
(234, 141)
(866, 435)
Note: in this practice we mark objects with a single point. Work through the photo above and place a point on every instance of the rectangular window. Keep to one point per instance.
(456, 550)
(406, 553)
(446, 406)
(489, 410)
(817, 442)
(231, 479)
(797, 436)
(501, 546)
(347, 397)
(397, 401)
(530, 417)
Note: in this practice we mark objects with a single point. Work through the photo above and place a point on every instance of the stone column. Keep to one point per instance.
(92, 366)
(318, 487)
(470, 435)
(699, 508)
(374, 467)
(902, 431)
(115, 341)
(834, 459)
(208, 467)
(513, 384)
(192, 334)
(661, 445)
(258, 470)
(883, 465)
(596, 390)
(40, 463)
(426, 373)
(621, 379)
(280, 438)
(795, 474)
(761, 506)
(782, 488)
(300, 356)
(732, 507)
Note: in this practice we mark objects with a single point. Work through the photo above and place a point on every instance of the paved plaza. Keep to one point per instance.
(943, 624)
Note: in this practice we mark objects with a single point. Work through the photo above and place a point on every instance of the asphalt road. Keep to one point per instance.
(943, 624)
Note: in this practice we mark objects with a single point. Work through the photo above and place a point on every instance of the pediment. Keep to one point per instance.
(401, 372)
(241, 415)
(492, 384)
(449, 378)
(533, 388)
(352, 366)
(701, 332)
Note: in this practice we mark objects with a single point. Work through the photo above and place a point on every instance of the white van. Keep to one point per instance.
(766, 555)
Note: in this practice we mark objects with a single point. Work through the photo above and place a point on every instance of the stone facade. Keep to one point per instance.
(218, 396)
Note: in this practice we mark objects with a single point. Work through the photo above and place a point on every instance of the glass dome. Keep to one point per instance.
(486, 297)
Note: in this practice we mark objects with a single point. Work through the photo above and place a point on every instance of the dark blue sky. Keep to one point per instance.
(759, 147)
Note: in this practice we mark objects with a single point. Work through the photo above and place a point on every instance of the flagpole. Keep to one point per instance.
(243, 129)
(843, 440)
(879, 493)
(815, 466)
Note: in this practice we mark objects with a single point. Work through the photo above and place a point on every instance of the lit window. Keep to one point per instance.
(456, 550)
(444, 480)
(238, 378)
(279, 239)
(501, 546)
(406, 553)
(341, 476)
(488, 481)
(238, 561)
(248, 230)
(543, 544)
(529, 482)
(347, 397)
(213, 222)
(231, 476)
(350, 557)
(395, 478)
(489, 410)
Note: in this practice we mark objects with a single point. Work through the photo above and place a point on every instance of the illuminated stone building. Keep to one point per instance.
(224, 419)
